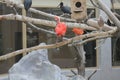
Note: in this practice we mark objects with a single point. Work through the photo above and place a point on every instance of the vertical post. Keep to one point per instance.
(78, 9)
(81, 60)
(24, 33)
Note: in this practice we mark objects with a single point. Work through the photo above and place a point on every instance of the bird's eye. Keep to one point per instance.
(78, 4)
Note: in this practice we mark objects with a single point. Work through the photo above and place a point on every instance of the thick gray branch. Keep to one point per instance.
(12, 54)
(43, 22)
(109, 13)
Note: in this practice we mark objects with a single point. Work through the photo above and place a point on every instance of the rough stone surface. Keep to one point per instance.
(36, 66)
(77, 77)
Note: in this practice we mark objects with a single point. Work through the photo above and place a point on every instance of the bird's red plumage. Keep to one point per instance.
(78, 31)
(60, 28)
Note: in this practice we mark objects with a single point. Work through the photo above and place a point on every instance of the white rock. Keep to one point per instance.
(36, 66)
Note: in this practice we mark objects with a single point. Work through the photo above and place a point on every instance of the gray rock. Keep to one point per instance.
(36, 66)
(77, 77)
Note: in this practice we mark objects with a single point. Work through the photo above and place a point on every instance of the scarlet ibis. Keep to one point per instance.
(78, 31)
(27, 5)
(65, 9)
(60, 28)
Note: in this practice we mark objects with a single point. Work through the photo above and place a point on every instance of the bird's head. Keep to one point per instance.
(61, 4)
(57, 18)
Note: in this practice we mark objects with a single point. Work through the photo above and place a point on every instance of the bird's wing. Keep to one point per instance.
(27, 4)
(66, 9)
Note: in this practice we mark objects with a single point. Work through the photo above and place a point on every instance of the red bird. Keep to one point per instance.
(60, 28)
(78, 31)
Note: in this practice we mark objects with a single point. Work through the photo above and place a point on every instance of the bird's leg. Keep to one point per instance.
(61, 38)
(28, 13)
(57, 40)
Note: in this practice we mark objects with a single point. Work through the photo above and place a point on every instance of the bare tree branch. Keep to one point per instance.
(93, 38)
(9, 55)
(109, 31)
(43, 30)
(43, 22)
(109, 13)
(94, 24)
(20, 5)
